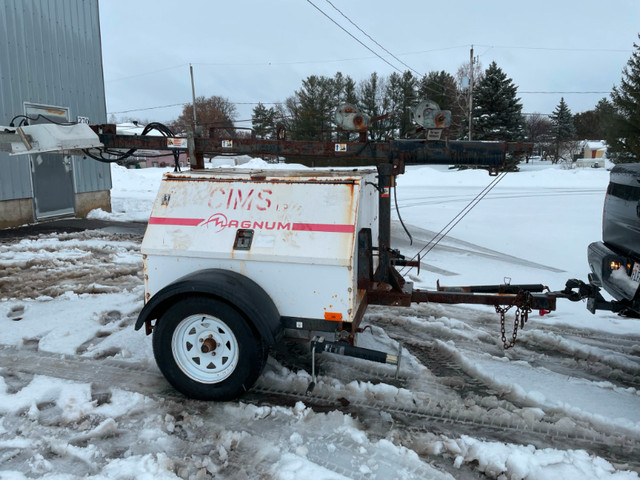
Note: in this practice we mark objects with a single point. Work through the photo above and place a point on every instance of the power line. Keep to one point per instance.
(146, 73)
(278, 103)
(371, 38)
(150, 108)
(361, 43)
(292, 62)
(559, 49)
(312, 62)
(354, 37)
(187, 103)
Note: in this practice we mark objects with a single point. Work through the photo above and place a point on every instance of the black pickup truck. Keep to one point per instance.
(615, 261)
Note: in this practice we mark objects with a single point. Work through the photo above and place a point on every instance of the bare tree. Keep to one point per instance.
(538, 130)
(212, 113)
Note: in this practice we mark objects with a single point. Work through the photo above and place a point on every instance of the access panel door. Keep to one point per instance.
(51, 174)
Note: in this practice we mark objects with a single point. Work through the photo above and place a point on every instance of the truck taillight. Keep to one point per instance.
(614, 265)
(617, 264)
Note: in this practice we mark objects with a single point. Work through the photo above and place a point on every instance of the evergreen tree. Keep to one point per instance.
(312, 109)
(497, 112)
(562, 128)
(263, 121)
(344, 90)
(400, 95)
(393, 102)
(441, 87)
(587, 125)
(606, 118)
(623, 132)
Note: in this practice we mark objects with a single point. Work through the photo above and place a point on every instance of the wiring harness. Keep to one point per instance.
(118, 156)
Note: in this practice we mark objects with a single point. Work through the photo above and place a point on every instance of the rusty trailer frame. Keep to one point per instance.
(385, 285)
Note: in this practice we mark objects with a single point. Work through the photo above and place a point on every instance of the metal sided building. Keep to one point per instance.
(51, 70)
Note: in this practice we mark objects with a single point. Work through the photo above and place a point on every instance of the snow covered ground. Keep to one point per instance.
(80, 395)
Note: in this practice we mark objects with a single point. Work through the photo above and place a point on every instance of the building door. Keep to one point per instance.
(51, 174)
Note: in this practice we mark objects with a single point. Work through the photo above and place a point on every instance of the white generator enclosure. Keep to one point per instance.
(293, 232)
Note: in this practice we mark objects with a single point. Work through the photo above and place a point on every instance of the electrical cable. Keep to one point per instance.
(395, 198)
(119, 156)
(26, 118)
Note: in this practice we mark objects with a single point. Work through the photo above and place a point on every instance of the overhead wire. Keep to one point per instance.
(354, 37)
(374, 41)
(146, 73)
(557, 49)
(371, 38)
(186, 103)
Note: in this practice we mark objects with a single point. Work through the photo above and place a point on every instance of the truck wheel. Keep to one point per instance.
(206, 349)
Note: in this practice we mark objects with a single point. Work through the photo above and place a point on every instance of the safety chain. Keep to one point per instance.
(523, 307)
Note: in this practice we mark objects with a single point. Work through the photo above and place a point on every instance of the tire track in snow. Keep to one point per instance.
(82, 262)
(427, 416)
(103, 375)
(581, 353)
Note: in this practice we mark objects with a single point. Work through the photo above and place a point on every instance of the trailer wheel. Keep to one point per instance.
(206, 349)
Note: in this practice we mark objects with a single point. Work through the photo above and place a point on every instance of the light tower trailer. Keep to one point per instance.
(237, 260)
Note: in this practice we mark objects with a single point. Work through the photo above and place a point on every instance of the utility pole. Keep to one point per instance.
(193, 95)
(470, 92)
(195, 160)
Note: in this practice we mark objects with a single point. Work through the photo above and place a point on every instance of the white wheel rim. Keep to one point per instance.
(200, 365)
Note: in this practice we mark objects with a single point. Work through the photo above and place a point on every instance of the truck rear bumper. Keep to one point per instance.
(612, 271)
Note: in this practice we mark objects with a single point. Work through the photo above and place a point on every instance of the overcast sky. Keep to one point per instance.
(253, 51)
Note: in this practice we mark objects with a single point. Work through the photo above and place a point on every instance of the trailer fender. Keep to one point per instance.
(242, 293)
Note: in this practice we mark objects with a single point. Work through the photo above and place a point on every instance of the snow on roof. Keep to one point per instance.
(595, 144)
(130, 128)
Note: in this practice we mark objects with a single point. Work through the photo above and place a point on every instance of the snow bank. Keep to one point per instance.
(516, 462)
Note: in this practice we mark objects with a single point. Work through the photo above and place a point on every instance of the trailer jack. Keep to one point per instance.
(319, 345)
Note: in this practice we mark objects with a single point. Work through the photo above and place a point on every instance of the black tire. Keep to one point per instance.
(206, 349)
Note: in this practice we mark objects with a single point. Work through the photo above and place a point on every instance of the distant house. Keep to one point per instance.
(594, 153)
(148, 158)
(594, 149)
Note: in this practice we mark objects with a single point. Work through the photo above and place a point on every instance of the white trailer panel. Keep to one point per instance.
(291, 231)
